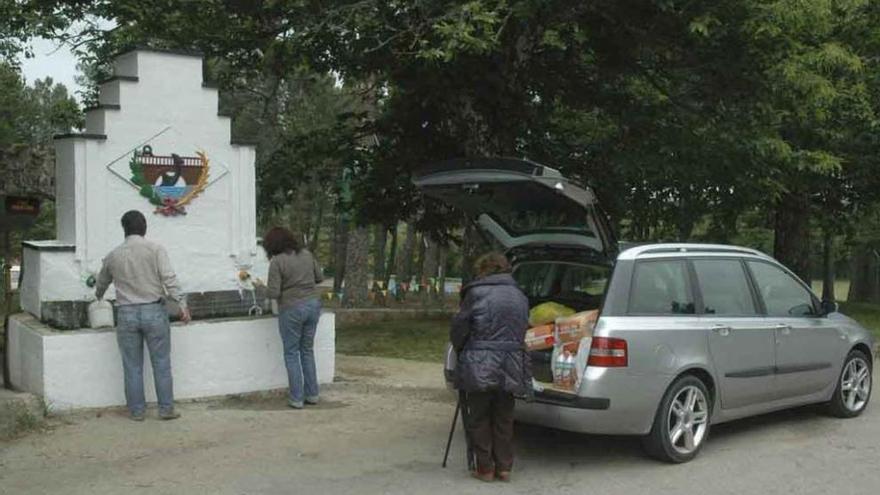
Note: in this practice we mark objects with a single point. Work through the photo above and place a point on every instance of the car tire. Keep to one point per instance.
(681, 424)
(854, 385)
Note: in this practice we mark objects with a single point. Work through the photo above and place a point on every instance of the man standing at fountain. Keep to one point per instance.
(142, 273)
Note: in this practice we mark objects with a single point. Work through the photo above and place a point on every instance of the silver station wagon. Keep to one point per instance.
(687, 336)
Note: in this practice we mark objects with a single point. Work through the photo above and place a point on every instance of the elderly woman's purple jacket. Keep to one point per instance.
(488, 334)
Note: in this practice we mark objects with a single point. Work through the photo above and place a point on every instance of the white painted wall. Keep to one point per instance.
(83, 368)
(29, 291)
(25, 356)
(168, 108)
(49, 276)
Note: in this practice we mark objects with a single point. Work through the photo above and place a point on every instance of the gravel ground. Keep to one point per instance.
(382, 429)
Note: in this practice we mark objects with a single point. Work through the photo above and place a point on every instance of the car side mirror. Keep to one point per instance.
(829, 307)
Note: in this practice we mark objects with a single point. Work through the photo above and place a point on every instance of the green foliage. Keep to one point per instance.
(690, 118)
(137, 177)
(33, 114)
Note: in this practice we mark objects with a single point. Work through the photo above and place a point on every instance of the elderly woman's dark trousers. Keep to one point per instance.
(490, 426)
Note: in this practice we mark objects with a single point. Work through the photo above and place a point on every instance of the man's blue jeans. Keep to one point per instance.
(135, 324)
(297, 325)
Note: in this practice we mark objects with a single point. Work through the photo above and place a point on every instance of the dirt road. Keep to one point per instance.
(382, 428)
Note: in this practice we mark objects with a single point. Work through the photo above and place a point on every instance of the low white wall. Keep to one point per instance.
(25, 356)
(83, 368)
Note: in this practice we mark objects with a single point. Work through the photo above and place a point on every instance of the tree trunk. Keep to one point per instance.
(340, 245)
(792, 240)
(864, 284)
(419, 262)
(473, 245)
(380, 239)
(392, 257)
(7, 307)
(440, 294)
(408, 255)
(315, 236)
(357, 268)
(686, 218)
(828, 267)
(299, 214)
(429, 264)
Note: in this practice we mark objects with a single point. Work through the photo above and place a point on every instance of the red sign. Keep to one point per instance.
(19, 205)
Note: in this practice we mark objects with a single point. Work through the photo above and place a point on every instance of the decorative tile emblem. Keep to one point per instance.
(166, 170)
(171, 181)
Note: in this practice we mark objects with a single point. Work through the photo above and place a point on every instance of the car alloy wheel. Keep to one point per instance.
(688, 420)
(682, 421)
(855, 384)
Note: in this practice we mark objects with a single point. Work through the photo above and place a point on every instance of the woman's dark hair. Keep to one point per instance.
(134, 223)
(280, 240)
(490, 264)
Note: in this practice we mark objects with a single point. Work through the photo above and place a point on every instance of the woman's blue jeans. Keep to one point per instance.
(297, 325)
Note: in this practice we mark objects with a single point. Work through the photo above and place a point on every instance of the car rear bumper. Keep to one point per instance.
(575, 402)
(609, 402)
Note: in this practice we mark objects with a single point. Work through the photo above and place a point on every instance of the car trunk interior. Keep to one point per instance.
(552, 278)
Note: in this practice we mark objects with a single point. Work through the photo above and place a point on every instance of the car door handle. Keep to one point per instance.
(721, 330)
(784, 329)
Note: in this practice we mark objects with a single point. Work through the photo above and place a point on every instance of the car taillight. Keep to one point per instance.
(608, 353)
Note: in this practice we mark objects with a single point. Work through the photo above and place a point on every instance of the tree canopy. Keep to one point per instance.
(688, 117)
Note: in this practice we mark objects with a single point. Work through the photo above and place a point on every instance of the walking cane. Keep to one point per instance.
(465, 417)
(460, 408)
(452, 430)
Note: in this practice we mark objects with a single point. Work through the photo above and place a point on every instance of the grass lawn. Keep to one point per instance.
(841, 288)
(425, 340)
(419, 340)
(866, 314)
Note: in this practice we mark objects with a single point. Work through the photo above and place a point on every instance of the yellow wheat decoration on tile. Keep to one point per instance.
(201, 184)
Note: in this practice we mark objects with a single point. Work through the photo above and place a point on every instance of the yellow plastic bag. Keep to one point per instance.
(547, 313)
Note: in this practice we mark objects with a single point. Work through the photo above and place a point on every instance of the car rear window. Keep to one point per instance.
(660, 287)
(575, 285)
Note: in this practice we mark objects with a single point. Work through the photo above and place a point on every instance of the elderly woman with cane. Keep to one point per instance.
(488, 333)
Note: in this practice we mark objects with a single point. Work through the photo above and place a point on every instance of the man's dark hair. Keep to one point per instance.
(280, 240)
(134, 223)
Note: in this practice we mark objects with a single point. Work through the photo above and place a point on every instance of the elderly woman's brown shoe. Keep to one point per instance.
(502, 476)
(486, 476)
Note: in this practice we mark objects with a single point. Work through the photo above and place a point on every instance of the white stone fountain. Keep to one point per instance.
(155, 143)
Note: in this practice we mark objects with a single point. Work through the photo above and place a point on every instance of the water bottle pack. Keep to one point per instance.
(564, 367)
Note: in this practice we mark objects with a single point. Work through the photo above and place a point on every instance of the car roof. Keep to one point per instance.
(688, 249)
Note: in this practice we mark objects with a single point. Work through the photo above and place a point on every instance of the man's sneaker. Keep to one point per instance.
(312, 401)
(169, 415)
(294, 405)
(136, 416)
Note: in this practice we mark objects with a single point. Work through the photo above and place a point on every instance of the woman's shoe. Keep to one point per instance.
(503, 476)
(486, 476)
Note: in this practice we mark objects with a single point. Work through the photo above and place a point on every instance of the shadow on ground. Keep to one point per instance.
(576, 448)
(268, 402)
